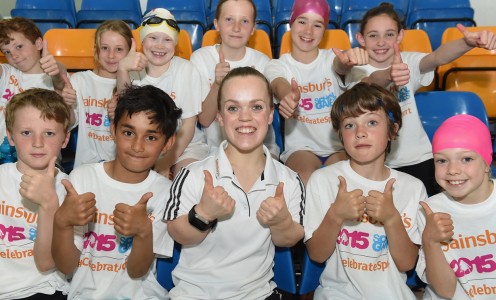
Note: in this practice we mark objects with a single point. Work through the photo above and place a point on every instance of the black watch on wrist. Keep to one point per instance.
(200, 222)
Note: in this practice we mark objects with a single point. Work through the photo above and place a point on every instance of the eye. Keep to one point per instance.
(372, 123)
(120, 49)
(151, 138)
(25, 132)
(467, 159)
(127, 133)
(231, 108)
(246, 21)
(104, 48)
(391, 34)
(18, 46)
(440, 161)
(5, 52)
(50, 133)
(257, 107)
(301, 22)
(348, 126)
(228, 19)
(318, 25)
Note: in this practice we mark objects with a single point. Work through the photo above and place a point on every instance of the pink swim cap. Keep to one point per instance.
(320, 7)
(464, 131)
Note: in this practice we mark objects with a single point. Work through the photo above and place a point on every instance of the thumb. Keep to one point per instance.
(51, 167)
(221, 56)
(69, 188)
(45, 51)
(144, 199)
(389, 186)
(133, 46)
(427, 209)
(338, 53)
(279, 191)
(294, 86)
(461, 28)
(209, 182)
(397, 54)
(342, 184)
(67, 81)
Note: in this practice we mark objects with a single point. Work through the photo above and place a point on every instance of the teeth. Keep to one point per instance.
(246, 130)
(158, 53)
(456, 182)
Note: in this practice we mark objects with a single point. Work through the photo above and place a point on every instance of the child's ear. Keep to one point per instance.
(216, 24)
(168, 145)
(401, 34)
(66, 139)
(39, 44)
(360, 39)
(112, 129)
(220, 120)
(10, 138)
(396, 128)
(271, 117)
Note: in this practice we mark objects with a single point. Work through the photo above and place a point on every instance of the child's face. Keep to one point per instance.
(379, 36)
(37, 140)
(245, 112)
(307, 31)
(365, 137)
(138, 145)
(22, 54)
(113, 47)
(235, 24)
(158, 48)
(463, 174)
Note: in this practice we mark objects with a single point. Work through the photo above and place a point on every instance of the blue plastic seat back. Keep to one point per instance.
(278, 127)
(284, 275)
(165, 267)
(94, 12)
(436, 106)
(47, 14)
(310, 274)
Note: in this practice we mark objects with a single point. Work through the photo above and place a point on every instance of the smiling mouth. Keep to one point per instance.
(246, 129)
(158, 53)
(456, 182)
(381, 51)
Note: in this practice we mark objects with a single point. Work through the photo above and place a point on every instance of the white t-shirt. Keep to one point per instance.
(102, 273)
(183, 84)
(412, 145)
(205, 59)
(361, 267)
(319, 86)
(94, 93)
(471, 252)
(13, 82)
(235, 260)
(18, 228)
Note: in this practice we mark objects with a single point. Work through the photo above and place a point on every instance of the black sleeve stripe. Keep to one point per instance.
(172, 207)
(303, 199)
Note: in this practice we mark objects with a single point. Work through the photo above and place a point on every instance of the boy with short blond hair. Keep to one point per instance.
(31, 190)
(109, 230)
(30, 64)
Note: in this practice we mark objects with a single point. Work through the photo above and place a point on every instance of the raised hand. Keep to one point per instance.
(215, 202)
(76, 210)
(348, 205)
(380, 205)
(134, 61)
(48, 62)
(111, 106)
(133, 220)
(483, 39)
(274, 210)
(400, 74)
(289, 103)
(39, 187)
(352, 57)
(439, 226)
(68, 93)
(222, 68)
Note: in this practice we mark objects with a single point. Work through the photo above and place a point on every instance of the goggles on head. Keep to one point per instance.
(155, 21)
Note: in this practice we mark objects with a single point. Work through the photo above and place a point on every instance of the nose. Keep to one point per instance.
(453, 168)
(38, 140)
(245, 114)
(111, 53)
(236, 26)
(138, 145)
(360, 132)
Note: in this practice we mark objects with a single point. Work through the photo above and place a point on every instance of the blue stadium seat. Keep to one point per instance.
(94, 12)
(278, 128)
(282, 15)
(284, 275)
(434, 16)
(189, 14)
(436, 106)
(47, 14)
(165, 267)
(354, 10)
(264, 15)
(310, 274)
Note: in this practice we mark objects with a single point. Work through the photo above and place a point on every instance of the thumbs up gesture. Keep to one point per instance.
(76, 210)
(348, 205)
(289, 103)
(352, 57)
(134, 61)
(439, 226)
(215, 202)
(483, 38)
(68, 93)
(380, 205)
(400, 74)
(133, 220)
(274, 210)
(39, 186)
(111, 106)
(222, 68)
(48, 62)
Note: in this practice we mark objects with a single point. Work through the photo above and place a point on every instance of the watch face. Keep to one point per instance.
(202, 219)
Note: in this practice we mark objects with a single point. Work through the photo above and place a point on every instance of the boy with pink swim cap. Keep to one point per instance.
(458, 225)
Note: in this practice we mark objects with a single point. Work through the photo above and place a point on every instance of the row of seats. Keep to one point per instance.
(196, 16)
